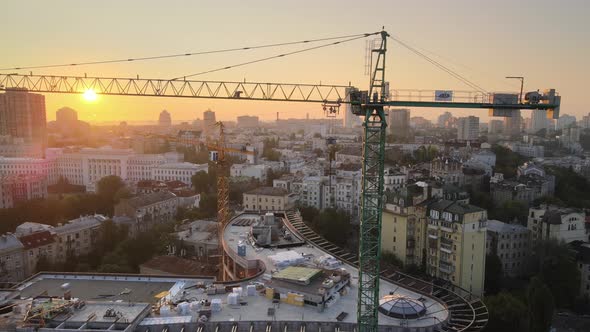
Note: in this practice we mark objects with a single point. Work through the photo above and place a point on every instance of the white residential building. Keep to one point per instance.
(394, 179)
(178, 172)
(551, 222)
(254, 171)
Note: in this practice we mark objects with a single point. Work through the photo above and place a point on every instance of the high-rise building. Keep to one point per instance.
(66, 116)
(565, 121)
(443, 118)
(165, 119)
(22, 115)
(513, 123)
(456, 245)
(496, 127)
(208, 122)
(468, 128)
(585, 123)
(538, 120)
(399, 122)
(246, 121)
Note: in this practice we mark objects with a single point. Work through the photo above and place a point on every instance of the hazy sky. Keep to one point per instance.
(548, 42)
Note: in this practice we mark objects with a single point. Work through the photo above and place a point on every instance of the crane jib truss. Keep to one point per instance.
(371, 106)
(262, 91)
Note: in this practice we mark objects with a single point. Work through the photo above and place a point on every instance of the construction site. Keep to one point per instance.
(276, 274)
(296, 282)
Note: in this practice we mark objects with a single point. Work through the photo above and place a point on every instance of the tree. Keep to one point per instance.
(108, 186)
(506, 313)
(334, 225)
(509, 211)
(122, 193)
(208, 205)
(493, 274)
(572, 188)
(201, 182)
(507, 161)
(556, 267)
(540, 305)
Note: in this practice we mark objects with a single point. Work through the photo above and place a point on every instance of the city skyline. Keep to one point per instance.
(336, 65)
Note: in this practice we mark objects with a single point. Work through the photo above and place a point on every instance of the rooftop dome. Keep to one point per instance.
(399, 306)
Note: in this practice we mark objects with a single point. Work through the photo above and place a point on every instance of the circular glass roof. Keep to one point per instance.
(399, 306)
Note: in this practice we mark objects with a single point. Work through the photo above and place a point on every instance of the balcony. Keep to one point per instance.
(446, 248)
(446, 229)
(446, 268)
(433, 236)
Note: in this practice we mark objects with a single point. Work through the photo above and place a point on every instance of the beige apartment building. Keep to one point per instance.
(403, 225)
(267, 199)
(456, 244)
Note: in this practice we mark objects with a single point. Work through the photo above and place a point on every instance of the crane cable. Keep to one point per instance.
(185, 54)
(276, 56)
(441, 66)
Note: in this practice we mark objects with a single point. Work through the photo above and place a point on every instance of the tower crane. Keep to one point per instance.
(370, 104)
(217, 152)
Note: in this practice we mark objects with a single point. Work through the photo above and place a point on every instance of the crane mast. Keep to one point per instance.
(370, 104)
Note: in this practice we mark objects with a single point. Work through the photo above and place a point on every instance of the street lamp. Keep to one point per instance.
(521, 86)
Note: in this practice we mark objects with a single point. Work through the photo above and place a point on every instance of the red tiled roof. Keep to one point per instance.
(36, 240)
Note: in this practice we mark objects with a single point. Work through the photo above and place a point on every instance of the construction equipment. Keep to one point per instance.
(370, 104)
(217, 153)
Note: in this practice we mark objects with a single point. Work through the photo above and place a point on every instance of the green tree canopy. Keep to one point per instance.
(540, 306)
(493, 274)
(108, 186)
(506, 313)
(554, 263)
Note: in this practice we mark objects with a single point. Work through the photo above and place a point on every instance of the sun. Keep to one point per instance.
(89, 95)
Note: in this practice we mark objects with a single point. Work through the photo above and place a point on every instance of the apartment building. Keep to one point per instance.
(12, 266)
(267, 199)
(511, 243)
(548, 221)
(403, 230)
(148, 209)
(17, 188)
(248, 170)
(447, 170)
(456, 244)
(37, 246)
(78, 236)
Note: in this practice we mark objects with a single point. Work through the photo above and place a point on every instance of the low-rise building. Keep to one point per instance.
(148, 209)
(178, 171)
(447, 170)
(17, 188)
(77, 237)
(12, 265)
(527, 150)
(248, 170)
(511, 243)
(552, 222)
(37, 246)
(267, 199)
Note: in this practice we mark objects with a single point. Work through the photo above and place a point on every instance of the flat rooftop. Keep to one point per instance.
(298, 274)
(133, 288)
